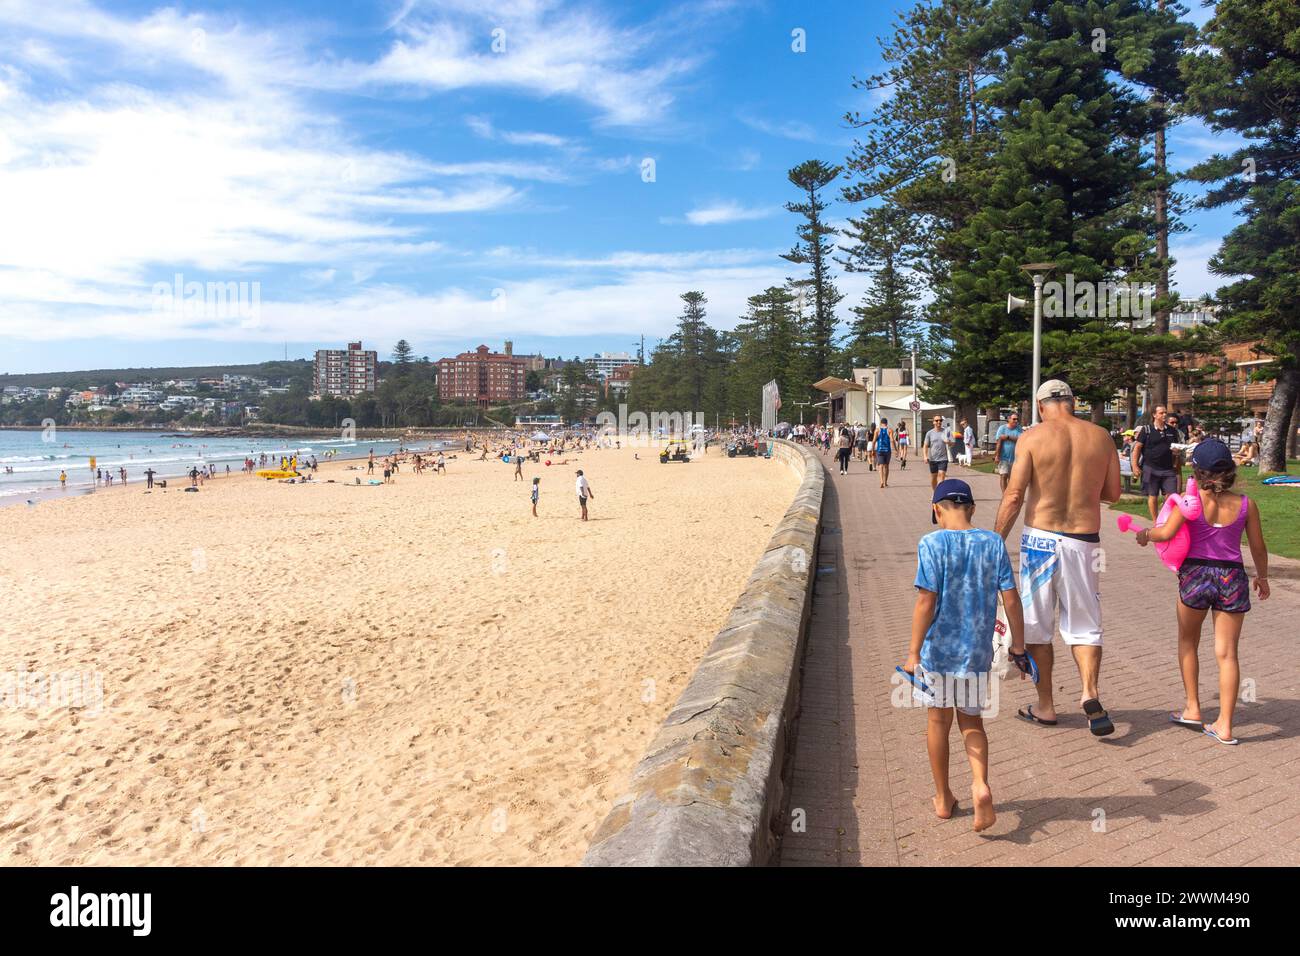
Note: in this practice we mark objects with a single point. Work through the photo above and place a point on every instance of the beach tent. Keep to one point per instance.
(539, 436)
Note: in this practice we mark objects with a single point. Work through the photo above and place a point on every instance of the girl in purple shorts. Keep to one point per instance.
(1213, 578)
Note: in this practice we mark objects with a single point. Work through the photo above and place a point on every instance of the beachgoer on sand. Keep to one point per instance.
(537, 491)
(584, 492)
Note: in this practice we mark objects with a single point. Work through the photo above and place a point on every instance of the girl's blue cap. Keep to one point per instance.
(1211, 454)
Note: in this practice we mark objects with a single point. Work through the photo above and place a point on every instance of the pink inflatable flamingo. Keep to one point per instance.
(1173, 551)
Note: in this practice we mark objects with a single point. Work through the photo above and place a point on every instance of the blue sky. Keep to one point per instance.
(381, 171)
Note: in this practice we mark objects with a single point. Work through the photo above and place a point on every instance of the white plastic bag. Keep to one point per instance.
(1002, 665)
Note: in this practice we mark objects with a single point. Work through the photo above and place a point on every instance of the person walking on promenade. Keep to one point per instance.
(883, 449)
(960, 570)
(937, 441)
(967, 441)
(902, 436)
(1004, 449)
(1065, 468)
(843, 447)
(1213, 578)
(1153, 458)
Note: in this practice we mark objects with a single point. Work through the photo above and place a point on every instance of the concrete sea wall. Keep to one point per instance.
(708, 789)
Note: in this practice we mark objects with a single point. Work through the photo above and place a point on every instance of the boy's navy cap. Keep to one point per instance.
(951, 489)
(1211, 455)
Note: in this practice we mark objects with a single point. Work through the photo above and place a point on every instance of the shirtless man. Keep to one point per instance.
(1067, 467)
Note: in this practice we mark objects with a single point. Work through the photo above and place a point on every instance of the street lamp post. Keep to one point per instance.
(1038, 271)
(916, 424)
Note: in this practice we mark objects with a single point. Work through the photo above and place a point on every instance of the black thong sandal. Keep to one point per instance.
(1099, 721)
(1027, 713)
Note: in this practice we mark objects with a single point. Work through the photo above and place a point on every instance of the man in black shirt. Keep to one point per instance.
(1178, 455)
(1153, 454)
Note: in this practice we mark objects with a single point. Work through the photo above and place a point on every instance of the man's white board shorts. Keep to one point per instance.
(1060, 573)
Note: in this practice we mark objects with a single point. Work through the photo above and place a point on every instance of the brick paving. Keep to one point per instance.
(1152, 793)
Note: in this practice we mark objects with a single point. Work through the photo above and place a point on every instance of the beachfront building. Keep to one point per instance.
(529, 424)
(1193, 313)
(1199, 382)
(532, 363)
(140, 396)
(605, 363)
(876, 393)
(620, 380)
(482, 377)
(345, 372)
(179, 403)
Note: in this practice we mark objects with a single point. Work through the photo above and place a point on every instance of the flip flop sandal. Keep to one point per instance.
(922, 688)
(1209, 732)
(1099, 721)
(1182, 721)
(1025, 664)
(1027, 713)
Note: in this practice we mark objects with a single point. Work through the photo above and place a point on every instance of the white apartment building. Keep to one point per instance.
(141, 395)
(604, 363)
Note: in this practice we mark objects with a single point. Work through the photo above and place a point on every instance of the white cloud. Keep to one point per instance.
(535, 49)
(102, 194)
(1192, 142)
(482, 126)
(638, 300)
(723, 212)
(545, 50)
(785, 129)
(638, 261)
(1191, 275)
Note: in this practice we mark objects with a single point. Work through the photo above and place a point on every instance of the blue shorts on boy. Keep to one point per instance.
(965, 569)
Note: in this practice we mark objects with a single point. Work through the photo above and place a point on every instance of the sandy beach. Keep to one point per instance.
(420, 673)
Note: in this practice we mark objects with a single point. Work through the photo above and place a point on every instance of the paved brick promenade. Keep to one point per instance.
(1152, 793)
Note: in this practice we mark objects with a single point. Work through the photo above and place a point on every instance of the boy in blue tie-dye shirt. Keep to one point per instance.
(959, 571)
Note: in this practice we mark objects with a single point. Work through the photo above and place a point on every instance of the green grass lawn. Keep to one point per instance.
(1279, 508)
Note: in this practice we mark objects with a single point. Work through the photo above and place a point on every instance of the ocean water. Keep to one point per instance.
(30, 461)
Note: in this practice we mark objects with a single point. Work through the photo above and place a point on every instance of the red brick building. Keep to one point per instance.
(1225, 378)
(620, 379)
(482, 377)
